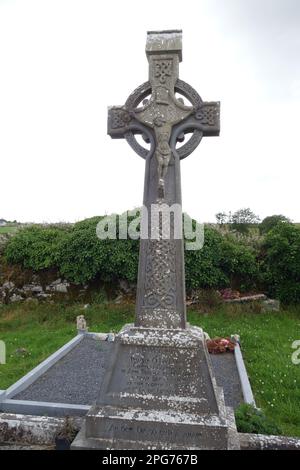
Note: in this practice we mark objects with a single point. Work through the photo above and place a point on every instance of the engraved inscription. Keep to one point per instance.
(150, 370)
(151, 433)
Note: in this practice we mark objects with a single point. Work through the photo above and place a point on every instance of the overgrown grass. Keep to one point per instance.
(266, 344)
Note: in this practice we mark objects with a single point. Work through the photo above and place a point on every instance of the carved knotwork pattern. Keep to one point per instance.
(138, 95)
(120, 118)
(160, 275)
(188, 92)
(163, 70)
(207, 115)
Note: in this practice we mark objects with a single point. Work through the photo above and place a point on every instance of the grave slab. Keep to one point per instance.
(77, 377)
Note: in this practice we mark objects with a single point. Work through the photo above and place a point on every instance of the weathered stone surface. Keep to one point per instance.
(263, 442)
(155, 369)
(16, 298)
(246, 299)
(34, 430)
(8, 285)
(9, 293)
(126, 287)
(271, 305)
(158, 430)
(159, 391)
(58, 286)
(43, 296)
(32, 288)
(163, 119)
(81, 324)
(25, 432)
(164, 42)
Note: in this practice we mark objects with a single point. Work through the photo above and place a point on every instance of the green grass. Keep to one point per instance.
(8, 229)
(266, 344)
(43, 328)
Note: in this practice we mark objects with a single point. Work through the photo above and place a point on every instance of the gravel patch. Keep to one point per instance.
(227, 376)
(76, 378)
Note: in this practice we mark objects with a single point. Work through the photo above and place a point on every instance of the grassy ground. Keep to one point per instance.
(266, 343)
(8, 229)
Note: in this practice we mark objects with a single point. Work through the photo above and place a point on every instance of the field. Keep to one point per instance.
(8, 229)
(32, 332)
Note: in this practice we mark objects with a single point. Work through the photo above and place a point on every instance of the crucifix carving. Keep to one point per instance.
(155, 111)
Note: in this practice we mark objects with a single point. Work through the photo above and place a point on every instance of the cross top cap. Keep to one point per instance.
(165, 41)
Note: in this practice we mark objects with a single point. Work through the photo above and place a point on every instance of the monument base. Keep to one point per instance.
(158, 393)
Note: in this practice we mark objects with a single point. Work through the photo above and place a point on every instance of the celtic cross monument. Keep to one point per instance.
(159, 390)
(163, 120)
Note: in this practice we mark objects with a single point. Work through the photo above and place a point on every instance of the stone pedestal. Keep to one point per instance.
(158, 393)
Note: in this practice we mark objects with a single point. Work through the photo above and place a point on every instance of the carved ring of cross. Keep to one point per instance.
(134, 100)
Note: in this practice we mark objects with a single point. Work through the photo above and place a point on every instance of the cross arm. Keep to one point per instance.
(118, 121)
(122, 124)
(207, 118)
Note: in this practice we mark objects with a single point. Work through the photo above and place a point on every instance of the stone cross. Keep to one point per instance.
(164, 120)
(159, 390)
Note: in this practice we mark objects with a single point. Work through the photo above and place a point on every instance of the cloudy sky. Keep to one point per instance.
(62, 62)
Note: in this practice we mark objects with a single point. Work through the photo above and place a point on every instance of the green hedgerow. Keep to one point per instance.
(80, 256)
(223, 261)
(83, 256)
(35, 247)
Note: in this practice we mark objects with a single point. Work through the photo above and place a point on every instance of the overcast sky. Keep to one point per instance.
(62, 62)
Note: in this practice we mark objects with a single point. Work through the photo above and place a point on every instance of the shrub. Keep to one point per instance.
(252, 420)
(223, 261)
(238, 261)
(280, 262)
(202, 267)
(271, 221)
(83, 256)
(35, 247)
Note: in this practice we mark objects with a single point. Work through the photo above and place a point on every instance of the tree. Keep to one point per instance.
(271, 221)
(245, 216)
(242, 219)
(221, 218)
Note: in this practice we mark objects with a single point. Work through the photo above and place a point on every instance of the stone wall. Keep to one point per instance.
(10, 292)
(21, 285)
